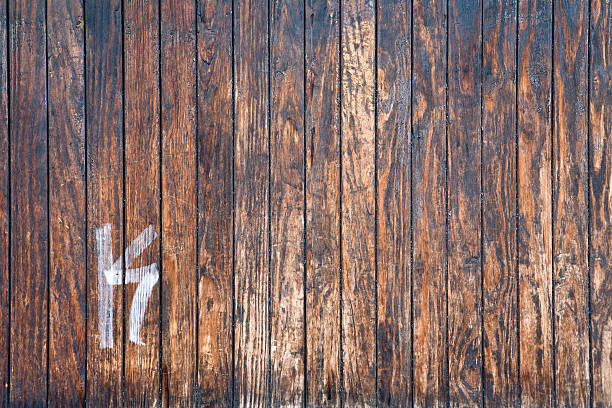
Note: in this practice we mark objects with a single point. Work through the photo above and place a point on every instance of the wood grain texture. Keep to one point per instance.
(29, 204)
(464, 184)
(4, 207)
(178, 238)
(535, 205)
(358, 202)
(142, 191)
(104, 130)
(394, 203)
(570, 203)
(68, 228)
(215, 198)
(287, 202)
(429, 203)
(322, 119)
(601, 187)
(251, 183)
(499, 272)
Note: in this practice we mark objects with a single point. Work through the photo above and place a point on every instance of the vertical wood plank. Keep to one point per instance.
(429, 203)
(178, 274)
(358, 202)
(570, 203)
(251, 182)
(464, 183)
(601, 186)
(499, 203)
(535, 205)
(29, 203)
(394, 203)
(67, 240)
(104, 130)
(141, 41)
(287, 202)
(4, 207)
(215, 195)
(322, 120)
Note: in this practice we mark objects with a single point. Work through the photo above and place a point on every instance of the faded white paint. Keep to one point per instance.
(109, 275)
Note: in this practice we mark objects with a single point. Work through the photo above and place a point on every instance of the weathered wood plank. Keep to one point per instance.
(178, 236)
(141, 41)
(499, 183)
(358, 202)
(464, 184)
(4, 207)
(68, 229)
(322, 120)
(287, 202)
(215, 166)
(601, 186)
(535, 205)
(394, 92)
(429, 203)
(251, 182)
(104, 130)
(570, 203)
(29, 204)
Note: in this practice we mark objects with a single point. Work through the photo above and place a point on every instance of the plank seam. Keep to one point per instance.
(196, 385)
(588, 189)
(123, 217)
(447, 212)
(411, 401)
(376, 321)
(516, 204)
(86, 183)
(482, 301)
(48, 289)
(10, 205)
(160, 166)
(341, 195)
(269, 215)
(304, 209)
(233, 389)
(552, 201)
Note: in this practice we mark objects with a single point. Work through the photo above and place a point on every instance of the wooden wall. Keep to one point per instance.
(322, 203)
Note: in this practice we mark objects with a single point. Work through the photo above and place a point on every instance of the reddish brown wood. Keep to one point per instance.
(104, 132)
(464, 184)
(251, 183)
(287, 202)
(322, 120)
(358, 202)
(429, 203)
(141, 39)
(570, 204)
(29, 205)
(499, 204)
(394, 96)
(67, 234)
(600, 121)
(535, 205)
(215, 225)
(178, 231)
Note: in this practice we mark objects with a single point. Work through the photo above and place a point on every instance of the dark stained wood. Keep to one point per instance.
(464, 184)
(178, 236)
(322, 120)
(601, 183)
(141, 42)
(499, 272)
(215, 197)
(393, 200)
(358, 202)
(67, 234)
(29, 206)
(429, 203)
(570, 203)
(535, 205)
(104, 130)
(4, 208)
(287, 202)
(251, 183)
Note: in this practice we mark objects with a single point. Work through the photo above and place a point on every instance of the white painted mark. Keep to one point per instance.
(109, 275)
